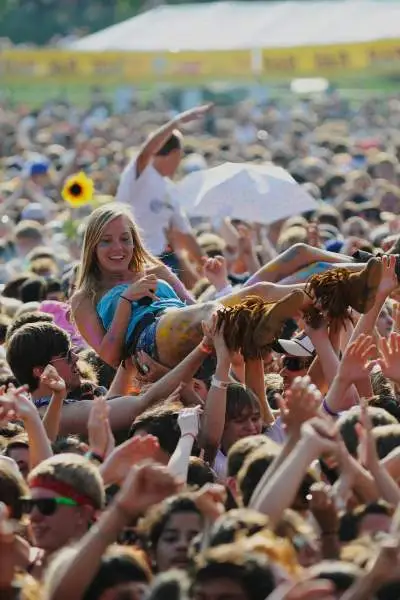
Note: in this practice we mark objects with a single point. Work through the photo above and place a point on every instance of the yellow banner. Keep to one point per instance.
(327, 60)
(62, 66)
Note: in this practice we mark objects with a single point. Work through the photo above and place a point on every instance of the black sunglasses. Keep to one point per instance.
(68, 357)
(46, 506)
(296, 363)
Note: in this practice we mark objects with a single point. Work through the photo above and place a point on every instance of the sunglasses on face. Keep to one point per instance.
(46, 506)
(69, 357)
(296, 363)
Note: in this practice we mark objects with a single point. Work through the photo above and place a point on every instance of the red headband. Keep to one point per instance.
(62, 488)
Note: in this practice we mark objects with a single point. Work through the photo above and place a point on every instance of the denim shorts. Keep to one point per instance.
(147, 341)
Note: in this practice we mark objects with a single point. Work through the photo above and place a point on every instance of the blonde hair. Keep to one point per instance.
(89, 272)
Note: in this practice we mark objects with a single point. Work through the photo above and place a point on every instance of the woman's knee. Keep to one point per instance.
(264, 289)
(302, 250)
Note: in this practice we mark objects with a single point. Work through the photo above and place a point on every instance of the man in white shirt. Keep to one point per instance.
(146, 186)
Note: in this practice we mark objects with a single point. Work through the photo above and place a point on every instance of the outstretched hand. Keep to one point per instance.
(194, 113)
(355, 363)
(389, 282)
(389, 361)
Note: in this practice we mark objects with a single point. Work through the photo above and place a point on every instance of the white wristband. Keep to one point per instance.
(217, 383)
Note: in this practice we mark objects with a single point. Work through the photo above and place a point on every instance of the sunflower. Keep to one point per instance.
(78, 190)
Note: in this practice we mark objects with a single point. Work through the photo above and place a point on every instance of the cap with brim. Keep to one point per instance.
(301, 346)
(33, 212)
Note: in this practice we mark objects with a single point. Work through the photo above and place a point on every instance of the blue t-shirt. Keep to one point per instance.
(107, 306)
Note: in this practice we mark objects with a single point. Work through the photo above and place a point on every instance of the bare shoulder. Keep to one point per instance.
(80, 300)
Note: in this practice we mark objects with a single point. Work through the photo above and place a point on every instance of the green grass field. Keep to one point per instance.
(37, 94)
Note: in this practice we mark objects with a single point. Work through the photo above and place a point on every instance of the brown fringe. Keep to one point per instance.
(331, 293)
(239, 323)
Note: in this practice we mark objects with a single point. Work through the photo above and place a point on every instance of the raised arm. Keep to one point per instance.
(157, 139)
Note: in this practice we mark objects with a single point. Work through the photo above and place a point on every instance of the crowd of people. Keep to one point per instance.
(195, 408)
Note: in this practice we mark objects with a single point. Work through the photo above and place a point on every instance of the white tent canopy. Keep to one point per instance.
(248, 25)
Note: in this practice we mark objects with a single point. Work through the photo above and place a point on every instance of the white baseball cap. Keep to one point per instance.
(298, 346)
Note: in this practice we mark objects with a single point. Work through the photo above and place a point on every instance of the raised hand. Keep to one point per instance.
(355, 361)
(216, 271)
(389, 282)
(210, 500)
(116, 466)
(313, 235)
(245, 242)
(194, 113)
(390, 357)
(320, 435)
(211, 331)
(299, 404)
(52, 380)
(147, 484)
(101, 438)
(189, 421)
(15, 403)
(144, 287)
(322, 506)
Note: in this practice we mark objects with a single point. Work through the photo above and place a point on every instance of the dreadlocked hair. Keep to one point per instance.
(239, 323)
(331, 291)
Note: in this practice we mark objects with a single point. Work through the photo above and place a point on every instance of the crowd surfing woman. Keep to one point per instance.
(127, 301)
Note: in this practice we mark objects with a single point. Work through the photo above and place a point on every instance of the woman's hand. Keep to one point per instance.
(143, 288)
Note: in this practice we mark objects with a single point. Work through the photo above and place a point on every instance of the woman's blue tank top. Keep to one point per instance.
(107, 306)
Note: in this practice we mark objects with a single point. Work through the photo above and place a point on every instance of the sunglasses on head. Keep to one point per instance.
(46, 506)
(296, 363)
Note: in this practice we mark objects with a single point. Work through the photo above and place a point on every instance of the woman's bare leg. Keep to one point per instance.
(303, 275)
(292, 260)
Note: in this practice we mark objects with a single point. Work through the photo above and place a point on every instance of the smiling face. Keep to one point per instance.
(115, 249)
(52, 532)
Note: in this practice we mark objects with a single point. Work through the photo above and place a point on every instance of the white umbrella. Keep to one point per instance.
(257, 193)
